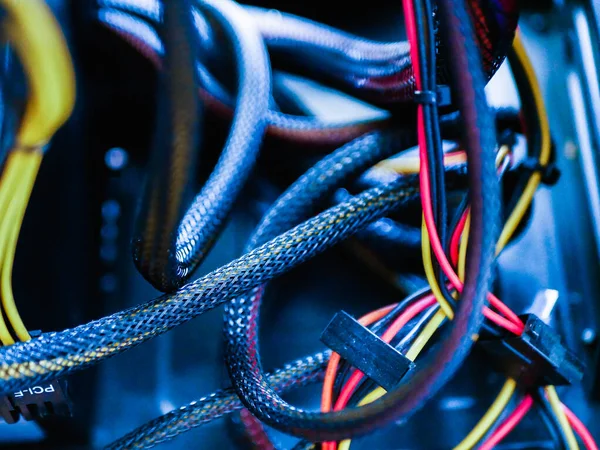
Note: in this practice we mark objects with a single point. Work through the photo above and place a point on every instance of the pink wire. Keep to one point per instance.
(580, 429)
(509, 424)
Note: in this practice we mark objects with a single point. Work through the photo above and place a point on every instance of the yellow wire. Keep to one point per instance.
(508, 230)
(462, 250)
(39, 42)
(34, 33)
(490, 417)
(462, 254)
(525, 200)
(430, 274)
(510, 226)
(8, 188)
(559, 412)
(30, 166)
(426, 335)
(412, 354)
(506, 393)
(426, 252)
(411, 164)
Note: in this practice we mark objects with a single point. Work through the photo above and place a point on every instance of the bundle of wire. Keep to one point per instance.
(33, 32)
(173, 236)
(417, 19)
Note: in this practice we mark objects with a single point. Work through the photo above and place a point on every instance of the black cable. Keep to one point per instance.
(405, 339)
(168, 191)
(174, 234)
(550, 421)
(384, 322)
(427, 57)
(242, 315)
(433, 376)
(206, 409)
(24, 363)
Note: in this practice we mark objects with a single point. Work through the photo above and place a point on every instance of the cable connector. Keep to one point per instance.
(538, 357)
(440, 97)
(35, 402)
(364, 350)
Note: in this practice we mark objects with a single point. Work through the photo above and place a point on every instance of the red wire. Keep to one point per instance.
(389, 334)
(513, 323)
(580, 429)
(411, 32)
(356, 376)
(437, 246)
(455, 240)
(425, 184)
(334, 361)
(509, 424)
(460, 227)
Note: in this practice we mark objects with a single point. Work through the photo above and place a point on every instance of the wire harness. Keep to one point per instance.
(371, 180)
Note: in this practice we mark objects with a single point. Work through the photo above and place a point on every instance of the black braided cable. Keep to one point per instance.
(55, 354)
(197, 413)
(306, 130)
(182, 243)
(380, 72)
(173, 161)
(61, 353)
(242, 314)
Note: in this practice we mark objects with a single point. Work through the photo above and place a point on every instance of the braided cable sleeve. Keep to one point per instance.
(173, 158)
(377, 71)
(61, 353)
(201, 224)
(380, 71)
(285, 127)
(299, 200)
(168, 426)
(242, 314)
(350, 54)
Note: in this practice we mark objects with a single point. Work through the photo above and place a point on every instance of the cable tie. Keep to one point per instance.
(440, 97)
(425, 97)
(41, 148)
(550, 172)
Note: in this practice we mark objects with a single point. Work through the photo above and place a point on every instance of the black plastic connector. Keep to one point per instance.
(36, 402)
(364, 350)
(538, 357)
